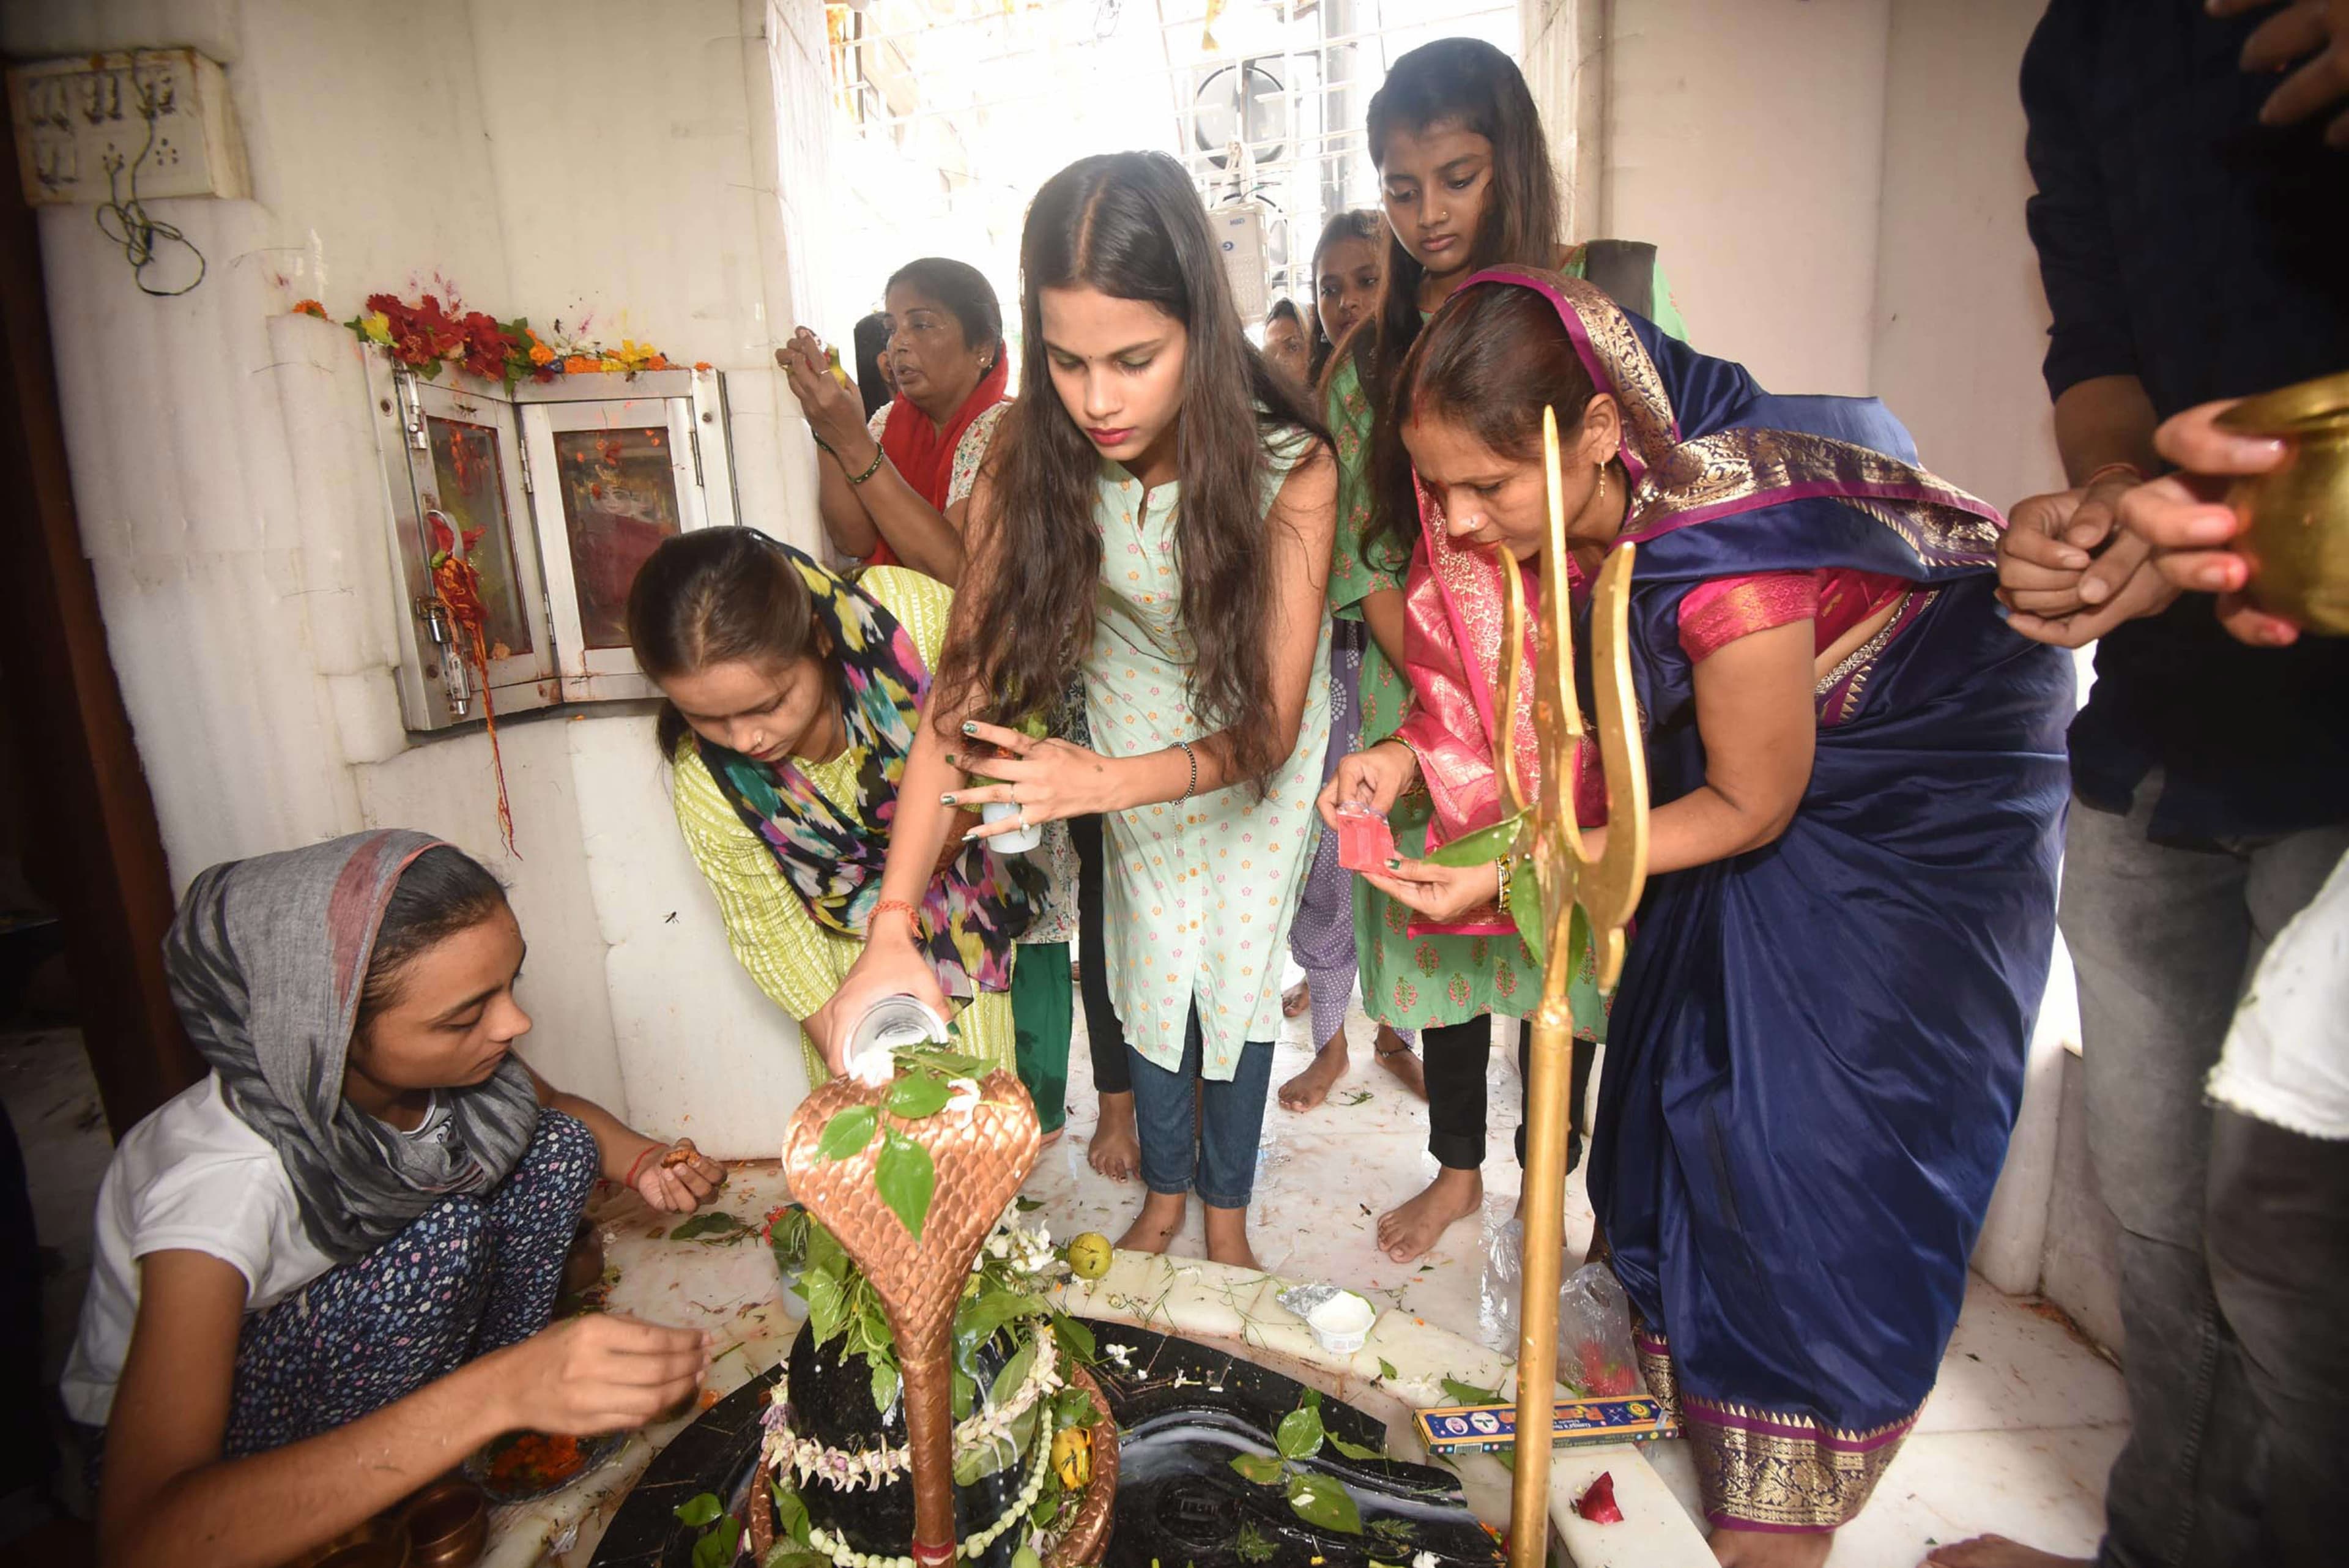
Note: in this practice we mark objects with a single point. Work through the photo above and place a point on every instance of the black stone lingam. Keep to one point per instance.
(1185, 1411)
(831, 1401)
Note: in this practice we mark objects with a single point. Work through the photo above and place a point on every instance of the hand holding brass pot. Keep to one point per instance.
(2297, 535)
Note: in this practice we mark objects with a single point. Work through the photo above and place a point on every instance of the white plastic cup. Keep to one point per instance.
(1341, 1324)
(1019, 840)
(889, 1024)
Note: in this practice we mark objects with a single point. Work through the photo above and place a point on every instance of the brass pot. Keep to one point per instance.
(449, 1523)
(2297, 541)
(380, 1542)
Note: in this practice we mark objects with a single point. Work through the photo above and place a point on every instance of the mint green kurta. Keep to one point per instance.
(1199, 895)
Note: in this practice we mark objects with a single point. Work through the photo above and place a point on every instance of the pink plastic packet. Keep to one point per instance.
(1365, 842)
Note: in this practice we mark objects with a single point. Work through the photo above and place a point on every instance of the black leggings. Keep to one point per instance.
(1103, 1033)
(1454, 1057)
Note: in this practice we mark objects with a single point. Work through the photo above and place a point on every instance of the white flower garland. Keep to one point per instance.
(842, 1554)
(805, 1458)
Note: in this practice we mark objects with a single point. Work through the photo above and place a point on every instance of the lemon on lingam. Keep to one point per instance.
(1089, 1255)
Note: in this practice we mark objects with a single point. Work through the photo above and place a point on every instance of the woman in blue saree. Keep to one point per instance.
(1816, 1053)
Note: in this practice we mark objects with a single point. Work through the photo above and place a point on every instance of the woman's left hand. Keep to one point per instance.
(1441, 893)
(679, 1185)
(1047, 780)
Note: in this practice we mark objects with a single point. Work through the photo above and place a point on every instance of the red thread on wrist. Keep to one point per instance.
(631, 1179)
(896, 907)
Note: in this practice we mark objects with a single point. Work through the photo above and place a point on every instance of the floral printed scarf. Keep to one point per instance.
(833, 854)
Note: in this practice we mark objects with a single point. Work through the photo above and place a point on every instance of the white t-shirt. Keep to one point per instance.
(2287, 1056)
(192, 1177)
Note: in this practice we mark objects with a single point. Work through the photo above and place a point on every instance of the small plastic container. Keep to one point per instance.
(1341, 1324)
(1019, 840)
(892, 1022)
(1365, 842)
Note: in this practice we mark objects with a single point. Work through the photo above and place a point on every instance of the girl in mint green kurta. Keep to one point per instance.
(1200, 893)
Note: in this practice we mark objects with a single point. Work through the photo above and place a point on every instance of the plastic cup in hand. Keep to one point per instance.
(890, 1024)
(1019, 840)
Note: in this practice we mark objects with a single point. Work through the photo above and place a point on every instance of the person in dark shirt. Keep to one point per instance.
(2192, 250)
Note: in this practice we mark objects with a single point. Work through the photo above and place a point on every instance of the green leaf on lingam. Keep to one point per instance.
(906, 1176)
(884, 1387)
(1318, 1500)
(790, 1515)
(1299, 1436)
(720, 1545)
(1461, 1392)
(1353, 1450)
(1481, 847)
(1262, 1468)
(917, 1094)
(1075, 1338)
(699, 1509)
(847, 1132)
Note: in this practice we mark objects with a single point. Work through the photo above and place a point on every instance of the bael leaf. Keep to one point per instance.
(699, 1509)
(1525, 909)
(1027, 1205)
(1354, 1450)
(790, 1515)
(1481, 847)
(1075, 1338)
(1318, 1500)
(1299, 1436)
(1386, 1369)
(1261, 1469)
(918, 1095)
(1461, 1392)
(847, 1132)
(720, 1545)
(884, 1387)
(715, 1226)
(906, 1176)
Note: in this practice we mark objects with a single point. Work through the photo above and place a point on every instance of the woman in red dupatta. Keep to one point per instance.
(887, 484)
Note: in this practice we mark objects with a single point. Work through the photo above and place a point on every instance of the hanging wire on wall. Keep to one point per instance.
(138, 234)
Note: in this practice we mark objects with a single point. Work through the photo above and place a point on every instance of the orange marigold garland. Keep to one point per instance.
(458, 585)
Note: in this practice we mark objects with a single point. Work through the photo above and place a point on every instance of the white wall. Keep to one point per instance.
(614, 160)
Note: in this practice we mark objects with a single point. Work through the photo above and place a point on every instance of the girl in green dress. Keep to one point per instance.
(1466, 179)
(1156, 516)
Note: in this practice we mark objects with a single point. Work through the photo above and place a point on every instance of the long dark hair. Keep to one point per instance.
(872, 342)
(443, 891)
(1492, 360)
(1359, 224)
(1469, 83)
(1130, 225)
(711, 595)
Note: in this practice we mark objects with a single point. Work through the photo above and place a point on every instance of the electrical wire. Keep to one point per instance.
(139, 235)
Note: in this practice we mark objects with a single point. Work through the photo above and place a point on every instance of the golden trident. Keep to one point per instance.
(1605, 890)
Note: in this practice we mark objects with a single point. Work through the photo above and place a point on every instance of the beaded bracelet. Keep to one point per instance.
(870, 469)
(1192, 787)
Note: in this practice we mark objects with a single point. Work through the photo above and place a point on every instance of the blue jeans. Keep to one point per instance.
(1219, 1159)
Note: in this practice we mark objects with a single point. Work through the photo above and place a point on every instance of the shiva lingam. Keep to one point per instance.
(1580, 895)
(907, 1178)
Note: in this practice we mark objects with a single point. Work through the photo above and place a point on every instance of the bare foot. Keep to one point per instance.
(1296, 999)
(1410, 1229)
(1153, 1229)
(1115, 1152)
(1227, 1240)
(1771, 1549)
(1998, 1552)
(1312, 1086)
(1399, 1058)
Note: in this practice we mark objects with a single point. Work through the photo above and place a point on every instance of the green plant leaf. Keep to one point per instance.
(699, 1509)
(1262, 1468)
(906, 1176)
(1525, 909)
(1394, 1533)
(1386, 1369)
(1299, 1436)
(1252, 1546)
(715, 1226)
(1481, 847)
(720, 1545)
(791, 1514)
(1075, 1338)
(884, 1387)
(847, 1132)
(827, 1305)
(938, 1059)
(1318, 1500)
(1353, 1450)
(1461, 1392)
(791, 1555)
(964, 1391)
(1027, 1205)
(918, 1095)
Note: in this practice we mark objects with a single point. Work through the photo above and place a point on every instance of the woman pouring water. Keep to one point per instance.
(793, 697)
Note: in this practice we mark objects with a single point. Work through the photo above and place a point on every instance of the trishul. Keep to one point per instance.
(1604, 891)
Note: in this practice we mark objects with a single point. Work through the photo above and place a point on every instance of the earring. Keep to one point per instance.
(1602, 485)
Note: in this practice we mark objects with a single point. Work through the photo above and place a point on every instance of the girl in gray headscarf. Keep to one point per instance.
(323, 1274)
